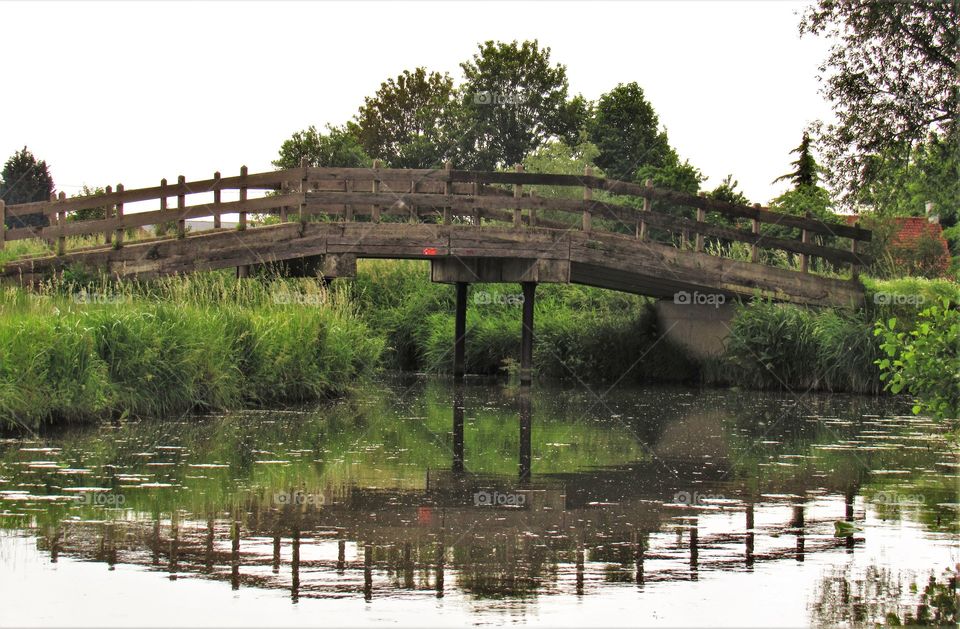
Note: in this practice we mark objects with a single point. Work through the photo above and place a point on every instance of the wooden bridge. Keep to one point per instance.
(472, 226)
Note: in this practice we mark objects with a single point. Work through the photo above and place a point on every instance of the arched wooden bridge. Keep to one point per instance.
(471, 225)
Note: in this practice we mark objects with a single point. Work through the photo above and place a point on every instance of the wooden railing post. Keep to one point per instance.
(242, 223)
(518, 194)
(216, 200)
(304, 184)
(118, 231)
(642, 224)
(375, 211)
(701, 216)
(533, 211)
(107, 233)
(476, 208)
(284, 189)
(62, 224)
(754, 248)
(3, 223)
(805, 239)
(855, 249)
(414, 217)
(163, 194)
(181, 204)
(587, 196)
(447, 189)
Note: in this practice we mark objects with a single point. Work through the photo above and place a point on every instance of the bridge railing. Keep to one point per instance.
(443, 196)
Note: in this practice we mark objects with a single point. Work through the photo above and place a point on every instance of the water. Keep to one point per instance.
(416, 503)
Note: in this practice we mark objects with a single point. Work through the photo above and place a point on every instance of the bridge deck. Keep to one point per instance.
(467, 223)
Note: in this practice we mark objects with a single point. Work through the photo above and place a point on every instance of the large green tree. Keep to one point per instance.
(337, 148)
(626, 130)
(892, 78)
(514, 100)
(25, 180)
(410, 120)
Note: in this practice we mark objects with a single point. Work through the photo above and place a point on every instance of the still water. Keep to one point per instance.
(420, 503)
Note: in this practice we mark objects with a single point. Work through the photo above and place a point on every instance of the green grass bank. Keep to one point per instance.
(83, 351)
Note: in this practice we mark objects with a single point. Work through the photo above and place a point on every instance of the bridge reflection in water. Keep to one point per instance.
(487, 534)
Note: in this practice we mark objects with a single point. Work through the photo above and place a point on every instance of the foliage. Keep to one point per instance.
(805, 169)
(337, 148)
(890, 75)
(92, 213)
(25, 179)
(409, 122)
(902, 184)
(179, 345)
(627, 132)
(513, 100)
(924, 257)
(925, 361)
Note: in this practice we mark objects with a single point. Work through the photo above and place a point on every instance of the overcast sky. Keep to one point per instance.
(133, 92)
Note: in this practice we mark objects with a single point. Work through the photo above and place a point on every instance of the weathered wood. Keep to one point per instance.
(754, 248)
(3, 223)
(642, 224)
(447, 190)
(854, 249)
(216, 200)
(61, 225)
(242, 219)
(107, 234)
(587, 197)
(701, 216)
(804, 258)
(526, 334)
(119, 220)
(518, 194)
(375, 189)
(181, 206)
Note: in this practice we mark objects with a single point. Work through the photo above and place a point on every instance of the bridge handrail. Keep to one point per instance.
(463, 193)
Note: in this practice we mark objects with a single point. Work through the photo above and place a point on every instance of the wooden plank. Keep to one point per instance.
(257, 181)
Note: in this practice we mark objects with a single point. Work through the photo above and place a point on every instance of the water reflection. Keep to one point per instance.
(413, 491)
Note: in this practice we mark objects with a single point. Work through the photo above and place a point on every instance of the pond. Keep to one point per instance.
(420, 502)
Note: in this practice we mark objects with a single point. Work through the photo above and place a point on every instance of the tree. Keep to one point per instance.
(409, 122)
(514, 100)
(626, 130)
(25, 180)
(805, 172)
(92, 213)
(337, 148)
(892, 77)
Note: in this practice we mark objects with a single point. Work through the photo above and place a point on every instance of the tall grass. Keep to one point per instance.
(175, 346)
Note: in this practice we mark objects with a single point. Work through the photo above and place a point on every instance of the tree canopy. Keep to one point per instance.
(626, 130)
(337, 148)
(514, 100)
(25, 180)
(892, 78)
(409, 121)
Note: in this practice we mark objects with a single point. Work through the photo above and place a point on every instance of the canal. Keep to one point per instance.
(420, 502)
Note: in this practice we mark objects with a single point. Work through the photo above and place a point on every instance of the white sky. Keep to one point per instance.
(115, 92)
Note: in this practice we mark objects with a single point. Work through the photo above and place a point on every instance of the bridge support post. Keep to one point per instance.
(460, 331)
(526, 336)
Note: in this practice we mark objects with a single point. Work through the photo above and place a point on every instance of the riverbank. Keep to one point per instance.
(210, 342)
(205, 343)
